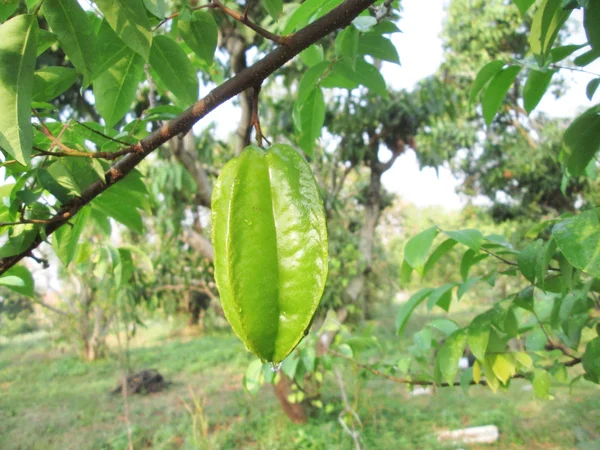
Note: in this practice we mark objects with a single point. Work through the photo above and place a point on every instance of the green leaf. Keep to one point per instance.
(200, 33)
(541, 384)
(591, 22)
(503, 366)
(174, 69)
(536, 340)
(309, 81)
(405, 273)
(308, 10)
(18, 279)
(469, 259)
(115, 89)
(527, 259)
(7, 8)
(251, 381)
(591, 360)
(312, 117)
(524, 6)
(378, 46)
(438, 253)
(441, 297)
(20, 239)
(365, 23)
(446, 326)
(469, 237)
(582, 139)
(70, 23)
(408, 307)
(17, 63)
(370, 77)
(50, 82)
(121, 211)
(44, 40)
(66, 238)
(592, 87)
(346, 44)
(525, 299)
(450, 354)
(129, 20)
(485, 74)
(495, 92)
(535, 88)
(547, 22)
(312, 55)
(110, 49)
(557, 54)
(578, 238)
(273, 7)
(478, 335)
(417, 248)
(587, 58)
(464, 287)
(156, 7)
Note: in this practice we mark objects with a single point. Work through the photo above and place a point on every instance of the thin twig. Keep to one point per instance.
(243, 18)
(79, 154)
(174, 15)
(355, 435)
(102, 134)
(255, 118)
(574, 69)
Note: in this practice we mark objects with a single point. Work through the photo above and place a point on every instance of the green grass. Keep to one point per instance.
(52, 400)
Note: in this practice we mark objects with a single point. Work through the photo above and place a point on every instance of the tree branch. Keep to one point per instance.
(339, 17)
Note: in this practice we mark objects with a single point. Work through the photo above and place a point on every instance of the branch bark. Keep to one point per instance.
(339, 17)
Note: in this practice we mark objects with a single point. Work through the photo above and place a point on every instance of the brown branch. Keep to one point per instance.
(339, 17)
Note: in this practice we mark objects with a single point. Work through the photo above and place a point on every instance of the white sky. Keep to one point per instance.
(420, 50)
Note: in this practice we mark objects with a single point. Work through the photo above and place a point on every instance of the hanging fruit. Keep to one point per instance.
(270, 243)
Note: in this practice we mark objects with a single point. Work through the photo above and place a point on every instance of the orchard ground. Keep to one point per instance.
(50, 399)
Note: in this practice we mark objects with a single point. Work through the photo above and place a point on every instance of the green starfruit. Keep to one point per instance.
(270, 246)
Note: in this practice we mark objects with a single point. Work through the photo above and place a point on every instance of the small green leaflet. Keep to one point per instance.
(478, 335)
(200, 33)
(438, 253)
(312, 117)
(129, 20)
(50, 82)
(495, 92)
(273, 7)
(470, 237)
(547, 22)
(44, 40)
(524, 5)
(65, 239)
(527, 259)
(157, 8)
(408, 307)
(115, 89)
(110, 49)
(17, 63)
(18, 279)
(174, 69)
(541, 384)
(7, 8)
(450, 354)
(592, 87)
(378, 46)
(485, 74)
(582, 139)
(591, 22)
(309, 81)
(417, 248)
(441, 297)
(535, 88)
(578, 238)
(313, 55)
(74, 30)
(591, 361)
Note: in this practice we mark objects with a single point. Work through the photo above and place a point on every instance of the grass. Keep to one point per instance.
(51, 400)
